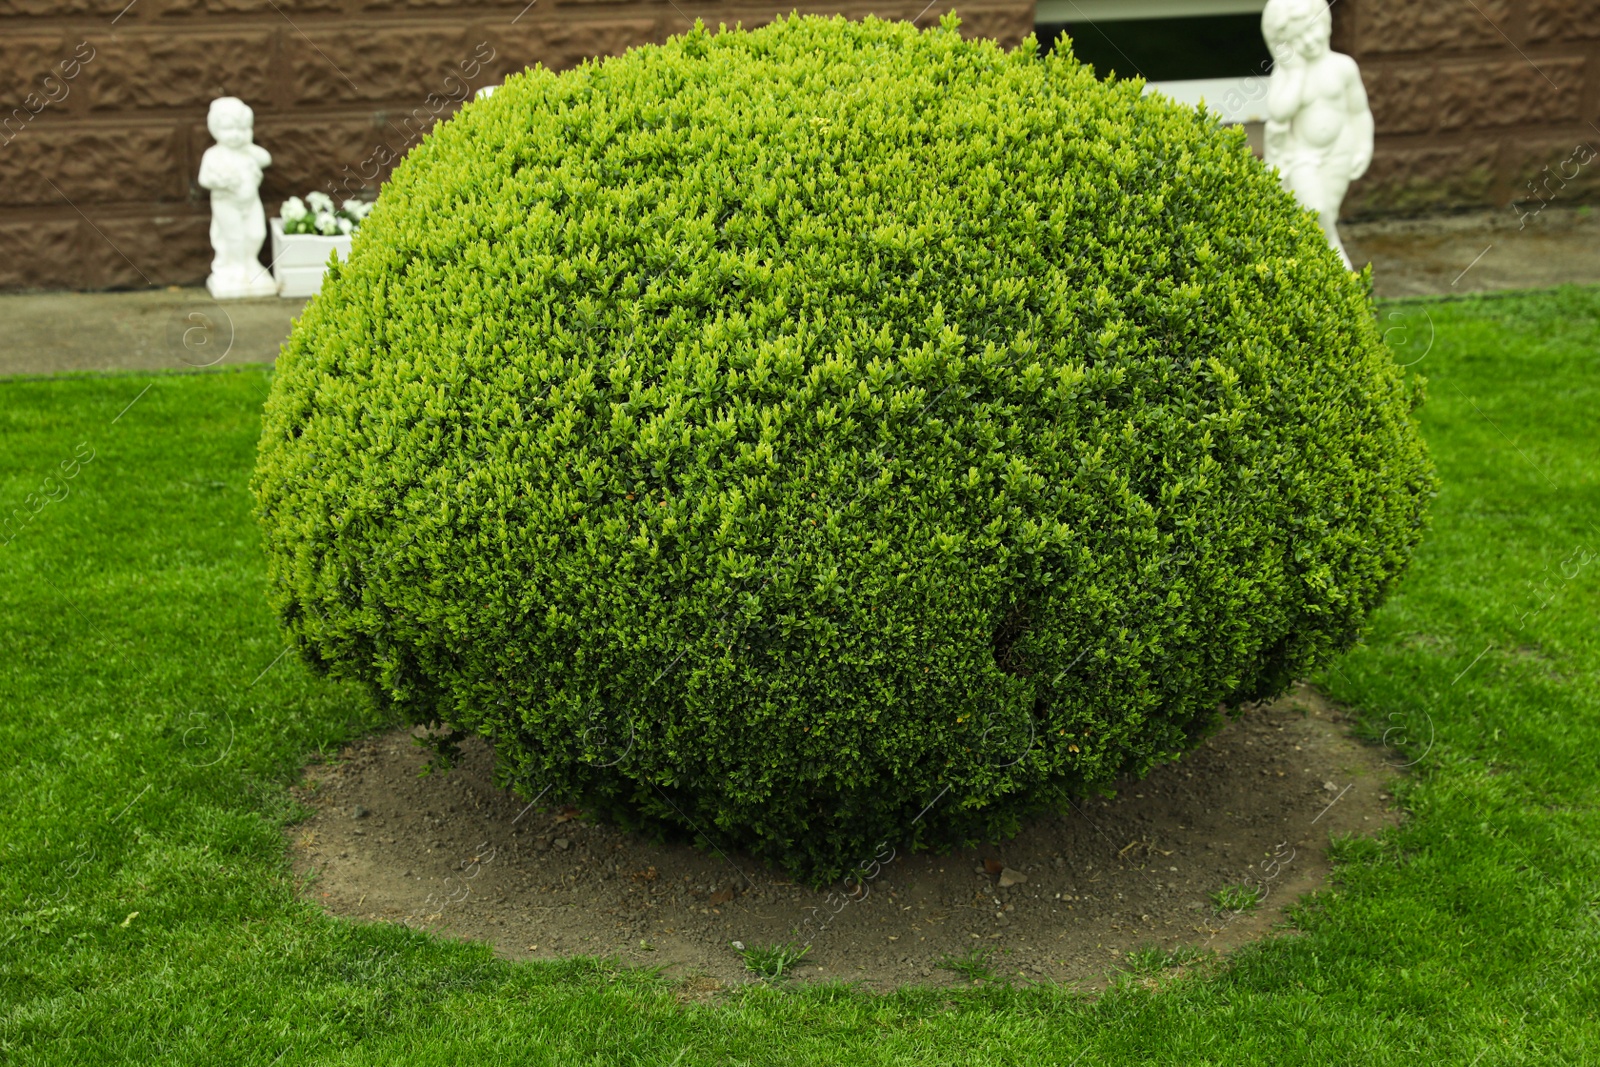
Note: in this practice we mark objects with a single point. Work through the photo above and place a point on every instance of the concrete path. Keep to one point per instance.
(1479, 252)
(179, 329)
(154, 329)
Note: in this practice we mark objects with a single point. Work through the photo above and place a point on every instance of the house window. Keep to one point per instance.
(1170, 49)
(1190, 50)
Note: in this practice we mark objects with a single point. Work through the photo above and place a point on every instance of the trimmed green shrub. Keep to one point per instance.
(831, 435)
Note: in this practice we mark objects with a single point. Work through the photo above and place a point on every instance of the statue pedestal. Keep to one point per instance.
(237, 284)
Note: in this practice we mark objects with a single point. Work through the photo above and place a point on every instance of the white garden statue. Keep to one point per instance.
(1319, 129)
(231, 170)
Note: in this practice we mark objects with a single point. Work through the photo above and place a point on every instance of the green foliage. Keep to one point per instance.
(1151, 960)
(772, 962)
(132, 653)
(1237, 898)
(975, 965)
(832, 435)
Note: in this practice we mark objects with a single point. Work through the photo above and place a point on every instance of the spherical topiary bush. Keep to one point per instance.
(833, 434)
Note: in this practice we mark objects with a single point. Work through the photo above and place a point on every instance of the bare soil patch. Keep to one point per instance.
(1255, 805)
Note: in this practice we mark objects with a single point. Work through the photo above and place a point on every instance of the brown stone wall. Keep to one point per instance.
(1478, 103)
(103, 102)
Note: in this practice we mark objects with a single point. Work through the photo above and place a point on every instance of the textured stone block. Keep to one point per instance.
(249, 7)
(1404, 99)
(1509, 93)
(1344, 27)
(395, 64)
(312, 154)
(745, 18)
(89, 166)
(1411, 180)
(1562, 20)
(1553, 171)
(396, 133)
(109, 8)
(25, 61)
(923, 13)
(562, 44)
(181, 70)
(39, 254)
(1006, 25)
(492, 7)
(146, 249)
(1430, 25)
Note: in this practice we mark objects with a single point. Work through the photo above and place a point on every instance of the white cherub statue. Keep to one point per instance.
(1319, 129)
(231, 170)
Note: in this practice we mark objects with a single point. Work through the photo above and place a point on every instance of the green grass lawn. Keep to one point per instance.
(148, 913)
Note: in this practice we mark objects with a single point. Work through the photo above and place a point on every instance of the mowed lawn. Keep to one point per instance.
(151, 726)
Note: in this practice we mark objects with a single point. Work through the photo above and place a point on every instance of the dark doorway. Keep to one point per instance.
(1172, 49)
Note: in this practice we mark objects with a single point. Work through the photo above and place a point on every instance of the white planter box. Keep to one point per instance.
(300, 259)
(1232, 100)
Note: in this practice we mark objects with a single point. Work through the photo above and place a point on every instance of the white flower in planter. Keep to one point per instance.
(305, 233)
(316, 214)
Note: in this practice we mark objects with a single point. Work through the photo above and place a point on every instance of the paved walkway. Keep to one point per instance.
(177, 329)
(154, 329)
(1480, 251)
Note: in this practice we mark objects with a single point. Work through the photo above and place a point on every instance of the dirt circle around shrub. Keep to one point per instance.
(1067, 900)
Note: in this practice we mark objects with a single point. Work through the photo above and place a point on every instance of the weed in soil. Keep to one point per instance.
(1236, 898)
(772, 962)
(1151, 960)
(973, 964)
